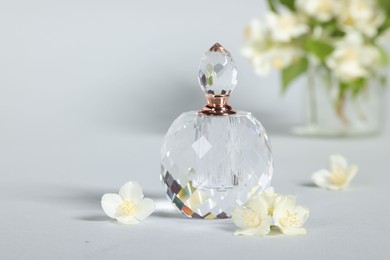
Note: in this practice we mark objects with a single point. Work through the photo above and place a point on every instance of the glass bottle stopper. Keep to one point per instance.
(217, 78)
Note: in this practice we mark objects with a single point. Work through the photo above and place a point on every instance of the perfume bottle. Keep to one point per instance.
(215, 159)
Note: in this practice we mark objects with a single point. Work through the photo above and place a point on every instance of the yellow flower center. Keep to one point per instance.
(271, 210)
(290, 219)
(338, 177)
(250, 218)
(127, 207)
(349, 21)
(278, 63)
(351, 54)
(324, 7)
(248, 32)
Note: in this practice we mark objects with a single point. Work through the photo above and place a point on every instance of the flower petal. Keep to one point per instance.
(321, 178)
(131, 190)
(336, 162)
(238, 217)
(262, 230)
(270, 195)
(110, 202)
(270, 191)
(145, 208)
(259, 205)
(285, 201)
(282, 204)
(303, 214)
(265, 227)
(128, 220)
(352, 170)
(336, 187)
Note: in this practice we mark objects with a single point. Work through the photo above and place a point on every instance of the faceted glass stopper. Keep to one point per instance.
(217, 72)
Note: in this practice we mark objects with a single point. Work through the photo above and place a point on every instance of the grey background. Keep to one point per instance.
(87, 91)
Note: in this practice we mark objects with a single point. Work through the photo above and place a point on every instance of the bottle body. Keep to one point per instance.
(210, 164)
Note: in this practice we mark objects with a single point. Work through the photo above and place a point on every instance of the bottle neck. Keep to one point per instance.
(217, 105)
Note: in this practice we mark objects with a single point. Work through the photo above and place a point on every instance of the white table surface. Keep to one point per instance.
(50, 202)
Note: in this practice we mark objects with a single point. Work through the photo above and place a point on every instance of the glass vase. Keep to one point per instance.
(331, 112)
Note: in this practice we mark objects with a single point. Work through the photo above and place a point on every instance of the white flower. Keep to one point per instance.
(267, 209)
(257, 39)
(322, 10)
(278, 57)
(285, 26)
(338, 176)
(269, 196)
(255, 30)
(353, 59)
(362, 15)
(264, 52)
(252, 218)
(129, 206)
(288, 217)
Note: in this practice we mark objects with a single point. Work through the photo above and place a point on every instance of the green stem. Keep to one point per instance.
(313, 116)
(340, 109)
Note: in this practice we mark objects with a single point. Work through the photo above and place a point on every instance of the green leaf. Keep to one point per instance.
(384, 55)
(343, 86)
(338, 33)
(272, 5)
(333, 28)
(290, 4)
(319, 48)
(290, 73)
(357, 86)
(384, 26)
(385, 4)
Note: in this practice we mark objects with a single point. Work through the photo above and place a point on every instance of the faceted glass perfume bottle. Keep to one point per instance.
(215, 159)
